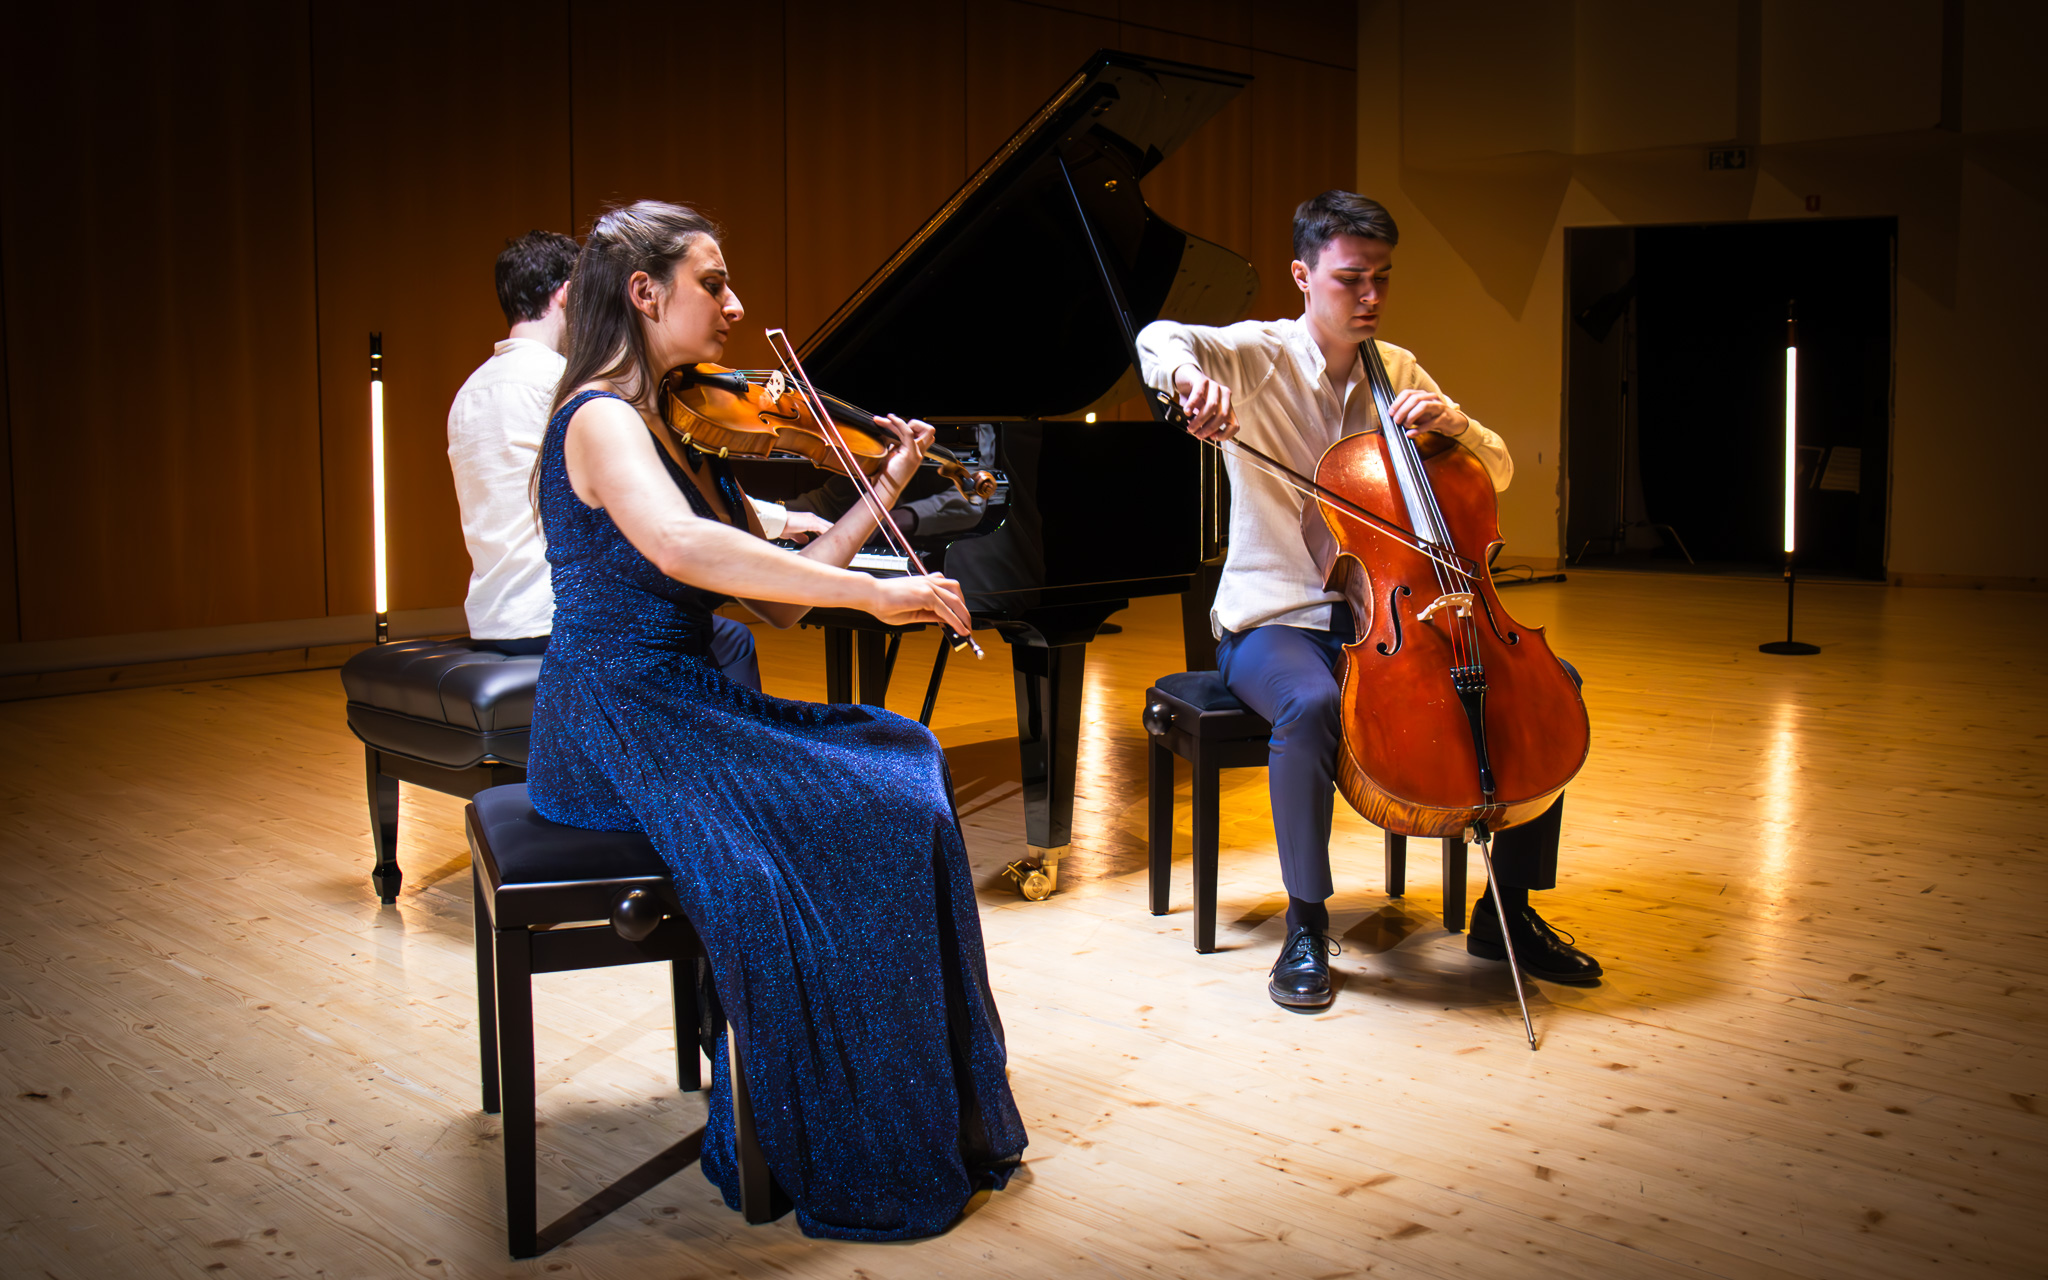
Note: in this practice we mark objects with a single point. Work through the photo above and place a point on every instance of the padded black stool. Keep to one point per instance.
(1193, 715)
(436, 713)
(531, 876)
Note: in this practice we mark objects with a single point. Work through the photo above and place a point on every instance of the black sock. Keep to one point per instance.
(1510, 897)
(1303, 914)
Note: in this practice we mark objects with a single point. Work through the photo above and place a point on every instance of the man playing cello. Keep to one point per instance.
(1291, 389)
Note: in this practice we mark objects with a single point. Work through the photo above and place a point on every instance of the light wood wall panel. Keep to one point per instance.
(439, 134)
(1655, 75)
(1846, 68)
(877, 138)
(705, 130)
(159, 303)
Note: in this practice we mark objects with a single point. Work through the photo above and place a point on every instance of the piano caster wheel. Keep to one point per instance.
(1033, 881)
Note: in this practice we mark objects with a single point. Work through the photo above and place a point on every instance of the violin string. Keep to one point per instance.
(934, 455)
(778, 341)
(829, 429)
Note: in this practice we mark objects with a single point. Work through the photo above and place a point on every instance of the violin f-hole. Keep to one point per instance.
(1394, 612)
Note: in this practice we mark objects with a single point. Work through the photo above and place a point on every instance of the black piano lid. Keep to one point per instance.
(995, 309)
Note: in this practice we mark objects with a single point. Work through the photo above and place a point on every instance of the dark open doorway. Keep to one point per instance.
(1675, 403)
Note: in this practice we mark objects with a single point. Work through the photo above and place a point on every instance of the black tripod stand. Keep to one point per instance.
(1598, 319)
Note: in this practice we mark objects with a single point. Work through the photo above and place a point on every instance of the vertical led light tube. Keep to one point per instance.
(377, 484)
(1791, 427)
(1788, 645)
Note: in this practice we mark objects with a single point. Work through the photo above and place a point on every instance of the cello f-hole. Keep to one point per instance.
(1507, 637)
(1394, 612)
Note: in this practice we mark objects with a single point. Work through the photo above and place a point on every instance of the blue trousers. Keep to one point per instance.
(732, 648)
(1288, 675)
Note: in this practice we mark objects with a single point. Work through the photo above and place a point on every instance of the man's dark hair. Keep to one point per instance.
(530, 270)
(1323, 218)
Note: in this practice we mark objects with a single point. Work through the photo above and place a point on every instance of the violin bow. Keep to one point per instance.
(778, 341)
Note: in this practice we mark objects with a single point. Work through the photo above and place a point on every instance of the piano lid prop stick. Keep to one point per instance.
(778, 341)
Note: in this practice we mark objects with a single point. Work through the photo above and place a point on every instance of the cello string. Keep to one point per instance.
(1465, 627)
(1411, 473)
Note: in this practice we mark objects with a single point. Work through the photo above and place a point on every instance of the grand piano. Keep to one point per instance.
(1092, 514)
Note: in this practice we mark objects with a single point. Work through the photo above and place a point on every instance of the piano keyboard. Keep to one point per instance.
(879, 564)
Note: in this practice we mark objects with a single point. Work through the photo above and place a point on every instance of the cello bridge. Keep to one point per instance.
(1460, 602)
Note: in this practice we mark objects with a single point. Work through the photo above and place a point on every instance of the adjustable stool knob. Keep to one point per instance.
(636, 914)
(1158, 718)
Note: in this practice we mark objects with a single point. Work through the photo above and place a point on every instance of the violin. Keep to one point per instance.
(751, 413)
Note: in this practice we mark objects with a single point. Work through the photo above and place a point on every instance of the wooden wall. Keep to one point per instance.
(204, 210)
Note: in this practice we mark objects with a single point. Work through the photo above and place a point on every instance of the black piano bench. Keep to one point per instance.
(443, 714)
(1193, 715)
(533, 876)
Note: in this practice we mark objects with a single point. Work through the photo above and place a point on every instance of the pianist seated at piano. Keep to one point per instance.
(815, 848)
(494, 430)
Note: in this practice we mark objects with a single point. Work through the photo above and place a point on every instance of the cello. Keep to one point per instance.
(1456, 719)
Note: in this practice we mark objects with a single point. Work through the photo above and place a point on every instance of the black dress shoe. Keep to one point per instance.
(1301, 976)
(1539, 949)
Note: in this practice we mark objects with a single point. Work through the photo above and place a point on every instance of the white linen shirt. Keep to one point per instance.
(494, 431)
(1286, 408)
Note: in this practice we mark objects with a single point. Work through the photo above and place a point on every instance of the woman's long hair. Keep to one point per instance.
(604, 339)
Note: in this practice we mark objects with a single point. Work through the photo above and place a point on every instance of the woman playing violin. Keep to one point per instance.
(814, 848)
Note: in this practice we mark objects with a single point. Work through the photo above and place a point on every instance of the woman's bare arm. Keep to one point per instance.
(613, 464)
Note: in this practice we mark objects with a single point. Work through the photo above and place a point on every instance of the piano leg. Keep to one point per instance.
(838, 664)
(872, 650)
(1049, 662)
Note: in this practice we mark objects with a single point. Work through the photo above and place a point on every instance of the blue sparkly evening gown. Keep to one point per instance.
(816, 850)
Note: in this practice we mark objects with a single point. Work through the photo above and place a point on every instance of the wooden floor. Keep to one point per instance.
(1816, 884)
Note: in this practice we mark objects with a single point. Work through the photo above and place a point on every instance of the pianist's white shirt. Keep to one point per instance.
(1288, 409)
(494, 431)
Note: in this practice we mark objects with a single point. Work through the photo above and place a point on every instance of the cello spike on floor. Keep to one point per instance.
(1480, 836)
